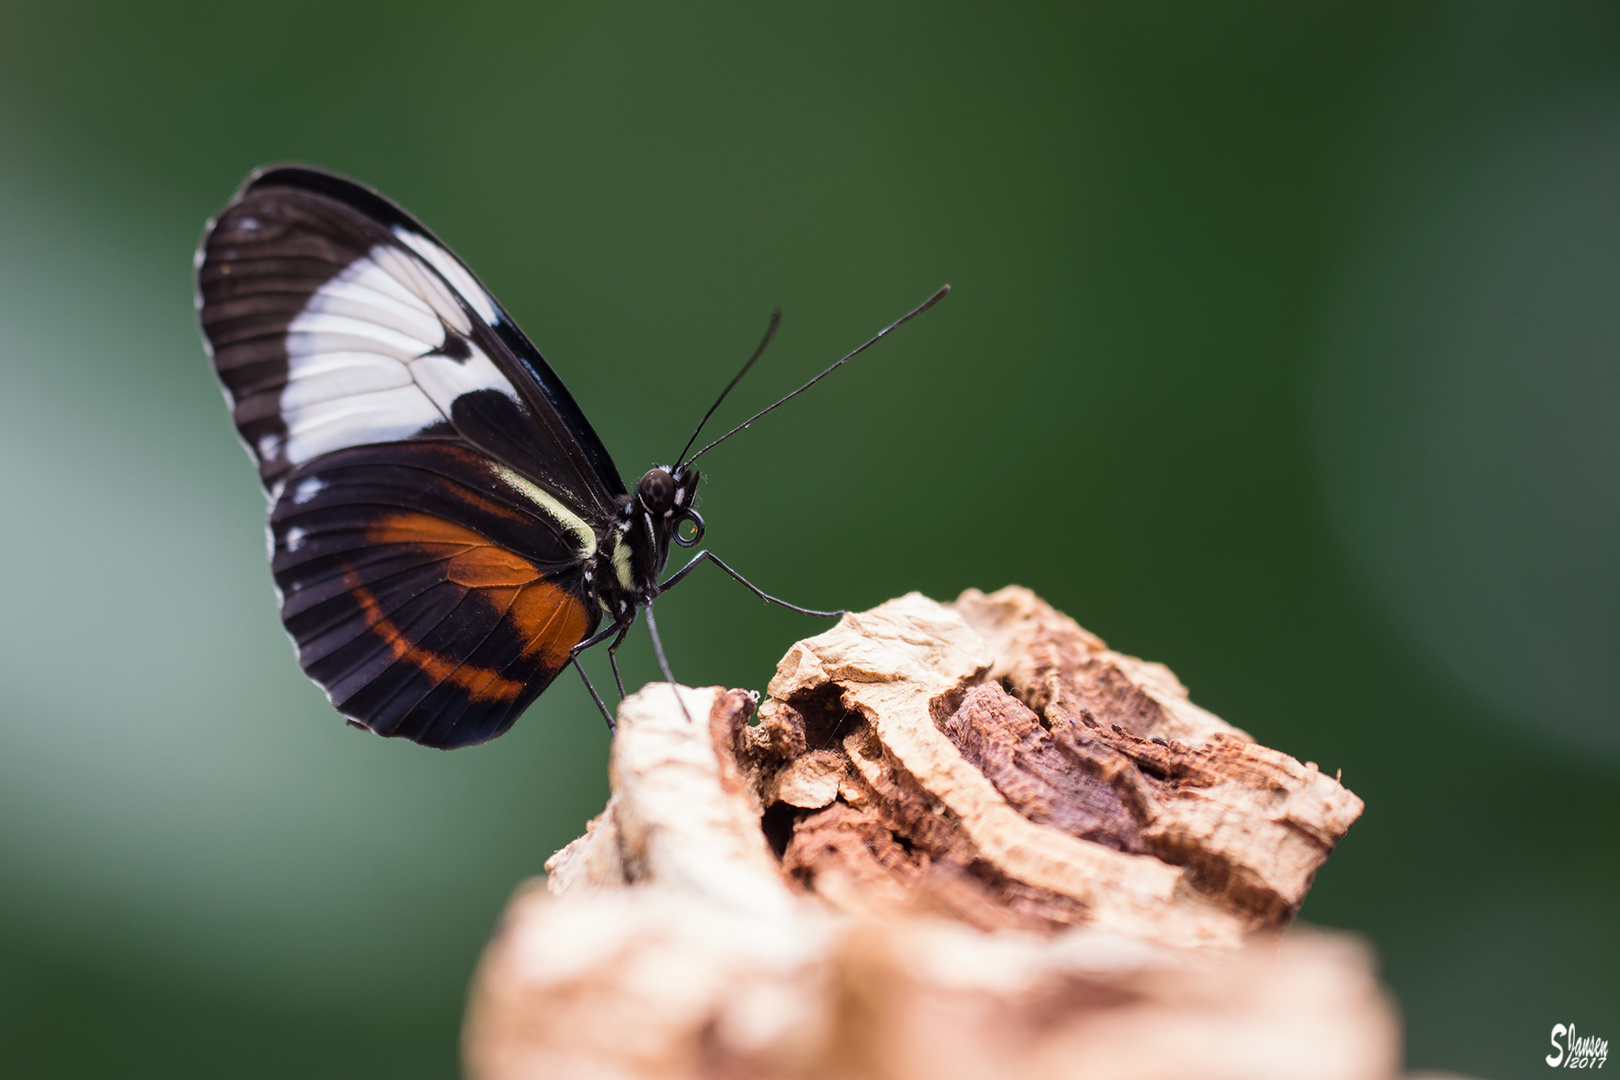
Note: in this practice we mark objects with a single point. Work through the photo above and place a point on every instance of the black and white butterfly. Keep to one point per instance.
(446, 530)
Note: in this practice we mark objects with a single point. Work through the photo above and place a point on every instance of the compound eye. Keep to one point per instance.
(657, 490)
(689, 529)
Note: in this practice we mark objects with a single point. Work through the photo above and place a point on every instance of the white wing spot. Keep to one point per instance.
(363, 356)
(269, 446)
(456, 274)
(444, 379)
(307, 489)
(295, 538)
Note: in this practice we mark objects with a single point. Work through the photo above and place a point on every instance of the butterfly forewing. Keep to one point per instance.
(337, 320)
(437, 494)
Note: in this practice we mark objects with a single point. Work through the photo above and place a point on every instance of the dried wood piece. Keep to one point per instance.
(1119, 805)
(960, 841)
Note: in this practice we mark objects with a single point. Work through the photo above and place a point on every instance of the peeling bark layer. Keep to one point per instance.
(956, 841)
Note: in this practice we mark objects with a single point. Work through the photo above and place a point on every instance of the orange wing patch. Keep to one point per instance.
(476, 563)
(550, 620)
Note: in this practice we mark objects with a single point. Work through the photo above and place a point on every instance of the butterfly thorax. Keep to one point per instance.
(634, 553)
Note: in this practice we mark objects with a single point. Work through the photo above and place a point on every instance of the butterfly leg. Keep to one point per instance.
(663, 661)
(596, 639)
(600, 704)
(613, 653)
(708, 556)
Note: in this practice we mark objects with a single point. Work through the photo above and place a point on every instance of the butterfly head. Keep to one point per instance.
(661, 511)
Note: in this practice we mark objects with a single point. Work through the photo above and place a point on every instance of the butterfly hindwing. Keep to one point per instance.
(430, 591)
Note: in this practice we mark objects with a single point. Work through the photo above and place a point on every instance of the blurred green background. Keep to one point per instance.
(1285, 349)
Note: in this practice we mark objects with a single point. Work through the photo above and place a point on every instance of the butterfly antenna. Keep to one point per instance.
(770, 332)
(901, 321)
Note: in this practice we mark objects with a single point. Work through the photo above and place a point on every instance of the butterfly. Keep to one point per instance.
(447, 532)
